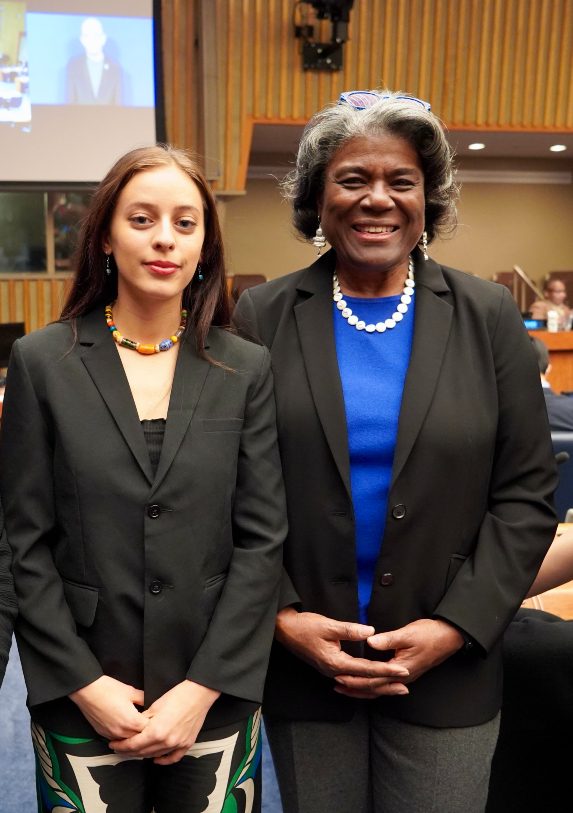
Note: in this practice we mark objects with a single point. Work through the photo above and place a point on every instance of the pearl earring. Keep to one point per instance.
(319, 240)
(107, 265)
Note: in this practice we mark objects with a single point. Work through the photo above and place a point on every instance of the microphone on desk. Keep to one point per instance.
(562, 457)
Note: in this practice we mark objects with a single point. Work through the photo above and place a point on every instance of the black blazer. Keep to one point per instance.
(470, 511)
(8, 608)
(149, 579)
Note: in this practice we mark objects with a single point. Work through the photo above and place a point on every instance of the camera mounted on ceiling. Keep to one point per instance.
(323, 56)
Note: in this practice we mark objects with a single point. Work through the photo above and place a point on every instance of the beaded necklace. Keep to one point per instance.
(145, 349)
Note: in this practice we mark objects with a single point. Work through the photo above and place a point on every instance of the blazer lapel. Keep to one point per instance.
(433, 320)
(313, 316)
(103, 364)
(190, 375)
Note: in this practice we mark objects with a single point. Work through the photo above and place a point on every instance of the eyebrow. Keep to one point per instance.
(360, 168)
(146, 204)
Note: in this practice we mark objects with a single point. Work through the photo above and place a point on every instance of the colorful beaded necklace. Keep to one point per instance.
(145, 349)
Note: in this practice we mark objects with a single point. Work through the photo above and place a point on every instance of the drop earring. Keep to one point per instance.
(107, 265)
(319, 240)
(423, 244)
(199, 272)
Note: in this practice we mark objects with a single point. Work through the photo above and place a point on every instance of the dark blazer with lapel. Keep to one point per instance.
(8, 607)
(149, 579)
(470, 506)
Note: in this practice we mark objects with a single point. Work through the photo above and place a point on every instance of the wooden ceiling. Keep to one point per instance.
(498, 65)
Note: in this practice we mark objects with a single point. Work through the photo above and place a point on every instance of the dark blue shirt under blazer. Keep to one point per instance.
(559, 411)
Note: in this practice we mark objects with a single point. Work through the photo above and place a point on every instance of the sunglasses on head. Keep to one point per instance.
(362, 99)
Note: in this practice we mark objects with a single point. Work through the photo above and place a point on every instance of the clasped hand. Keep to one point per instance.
(164, 732)
(418, 646)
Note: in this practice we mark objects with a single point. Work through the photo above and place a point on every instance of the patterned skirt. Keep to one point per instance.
(221, 773)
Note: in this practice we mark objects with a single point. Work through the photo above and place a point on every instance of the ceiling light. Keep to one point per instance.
(558, 148)
(477, 145)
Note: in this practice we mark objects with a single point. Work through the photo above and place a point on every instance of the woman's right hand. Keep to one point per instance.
(316, 639)
(109, 706)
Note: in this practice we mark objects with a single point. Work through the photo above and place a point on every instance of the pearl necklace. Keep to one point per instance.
(379, 327)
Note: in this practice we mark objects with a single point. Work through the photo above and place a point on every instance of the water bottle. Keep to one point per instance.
(552, 321)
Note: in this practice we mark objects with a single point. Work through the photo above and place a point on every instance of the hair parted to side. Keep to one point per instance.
(336, 124)
(206, 301)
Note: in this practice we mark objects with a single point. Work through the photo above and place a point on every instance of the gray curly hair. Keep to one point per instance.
(336, 124)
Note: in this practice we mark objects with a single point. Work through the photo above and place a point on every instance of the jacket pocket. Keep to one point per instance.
(455, 563)
(82, 601)
(211, 593)
(222, 424)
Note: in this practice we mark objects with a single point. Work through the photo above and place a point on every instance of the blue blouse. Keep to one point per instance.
(373, 369)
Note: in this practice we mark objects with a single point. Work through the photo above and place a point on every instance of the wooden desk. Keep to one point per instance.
(560, 346)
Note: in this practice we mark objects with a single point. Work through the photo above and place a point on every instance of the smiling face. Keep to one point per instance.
(156, 234)
(372, 205)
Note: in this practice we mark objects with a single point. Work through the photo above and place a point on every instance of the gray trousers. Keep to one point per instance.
(374, 764)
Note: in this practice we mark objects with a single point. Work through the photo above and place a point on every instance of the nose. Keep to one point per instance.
(164, 236)
(379, 196)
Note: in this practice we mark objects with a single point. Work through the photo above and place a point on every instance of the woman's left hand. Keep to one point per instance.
(418, 646)
(175, 720)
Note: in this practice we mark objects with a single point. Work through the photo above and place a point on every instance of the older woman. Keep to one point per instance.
(419, 476)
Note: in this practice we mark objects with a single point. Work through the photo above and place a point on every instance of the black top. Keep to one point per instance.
(154, 431)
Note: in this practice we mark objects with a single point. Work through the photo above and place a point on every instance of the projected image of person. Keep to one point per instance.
(93, 78)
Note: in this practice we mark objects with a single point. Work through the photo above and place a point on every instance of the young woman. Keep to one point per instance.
(144, 506)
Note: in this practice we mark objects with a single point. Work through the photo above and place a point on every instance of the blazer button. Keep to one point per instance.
(386, 579)
(399, 511)
(155, 587)
(153, 511)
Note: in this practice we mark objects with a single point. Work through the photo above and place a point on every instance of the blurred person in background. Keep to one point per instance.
(555, 296)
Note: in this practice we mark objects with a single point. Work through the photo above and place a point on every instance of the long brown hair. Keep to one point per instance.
(205, 300)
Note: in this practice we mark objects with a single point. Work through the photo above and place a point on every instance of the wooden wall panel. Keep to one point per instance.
(180, 75)
(32, 301)
(483, 64)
